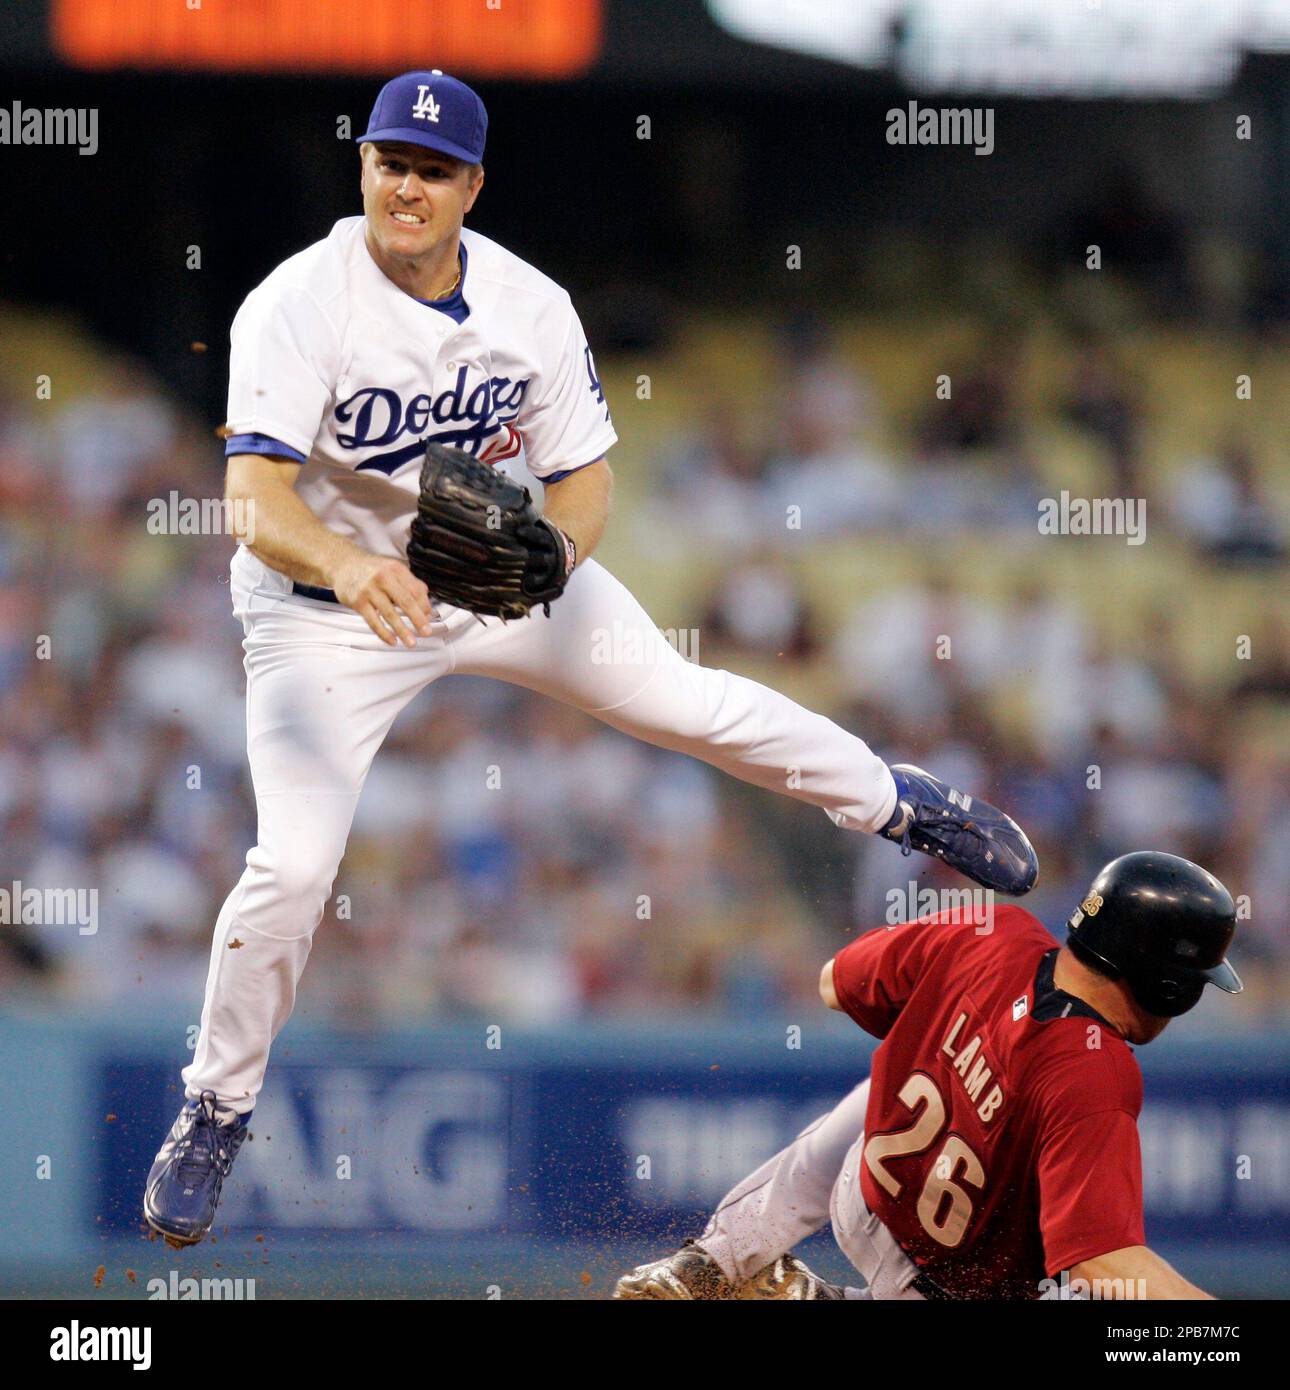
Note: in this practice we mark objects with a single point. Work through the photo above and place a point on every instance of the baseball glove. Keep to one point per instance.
(478, 542)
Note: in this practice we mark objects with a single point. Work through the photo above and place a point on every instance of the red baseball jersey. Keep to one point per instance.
(1001, 1139)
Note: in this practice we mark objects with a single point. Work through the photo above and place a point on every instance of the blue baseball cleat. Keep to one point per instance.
(184, 1185)
(970, 835)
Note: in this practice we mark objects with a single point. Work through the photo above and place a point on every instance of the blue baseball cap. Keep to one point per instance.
(430, 109)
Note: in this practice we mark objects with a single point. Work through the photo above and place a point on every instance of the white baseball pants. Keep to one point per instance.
(816, 1179)
(322, 693)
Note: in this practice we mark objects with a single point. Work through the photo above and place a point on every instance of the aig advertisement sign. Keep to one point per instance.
(565, 1150)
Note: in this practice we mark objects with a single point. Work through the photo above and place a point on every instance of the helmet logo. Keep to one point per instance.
(1092, 904)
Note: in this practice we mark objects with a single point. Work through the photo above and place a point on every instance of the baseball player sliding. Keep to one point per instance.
(994, 1148)
(374, 377)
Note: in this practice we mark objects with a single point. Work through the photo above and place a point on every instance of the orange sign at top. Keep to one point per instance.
(494, 38)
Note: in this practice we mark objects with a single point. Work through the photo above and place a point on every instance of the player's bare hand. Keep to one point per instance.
(385, 593)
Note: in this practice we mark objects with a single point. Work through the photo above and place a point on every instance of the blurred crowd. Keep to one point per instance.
(510, 857)
(513, 859)
(1098, 742)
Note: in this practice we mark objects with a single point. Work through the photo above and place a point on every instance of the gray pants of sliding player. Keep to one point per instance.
(791, 1196)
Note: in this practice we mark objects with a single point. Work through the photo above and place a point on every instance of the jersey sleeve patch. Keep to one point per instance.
(569, 419)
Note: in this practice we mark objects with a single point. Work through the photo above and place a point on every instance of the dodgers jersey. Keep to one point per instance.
(334, 366)
(1001, 1139)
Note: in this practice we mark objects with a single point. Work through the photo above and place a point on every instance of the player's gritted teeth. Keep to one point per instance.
(406, 221)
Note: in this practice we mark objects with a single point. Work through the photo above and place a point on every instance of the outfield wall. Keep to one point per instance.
(426, 1150)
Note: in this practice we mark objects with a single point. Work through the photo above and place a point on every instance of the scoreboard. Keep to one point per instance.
(548, 39)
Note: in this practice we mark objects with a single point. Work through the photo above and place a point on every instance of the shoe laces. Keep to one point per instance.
(937, 829)
(905, 842)
(205, 1145)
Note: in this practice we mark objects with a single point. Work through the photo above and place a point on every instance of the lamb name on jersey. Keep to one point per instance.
(1001, 1136)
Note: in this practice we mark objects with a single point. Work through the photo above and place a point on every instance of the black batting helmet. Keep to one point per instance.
(1161, 923)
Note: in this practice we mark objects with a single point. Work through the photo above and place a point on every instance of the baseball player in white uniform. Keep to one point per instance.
(402, 328)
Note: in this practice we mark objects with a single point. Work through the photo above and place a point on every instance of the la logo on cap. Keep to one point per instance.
(426, 108)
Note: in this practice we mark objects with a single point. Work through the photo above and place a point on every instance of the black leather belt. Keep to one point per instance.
(930, 1289)
(310, 591)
